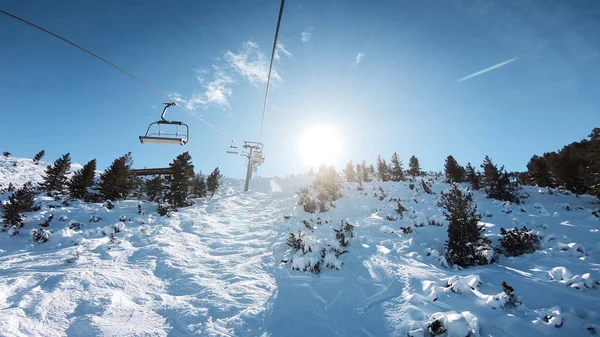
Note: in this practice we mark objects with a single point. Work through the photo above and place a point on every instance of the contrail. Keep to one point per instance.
(488, 69)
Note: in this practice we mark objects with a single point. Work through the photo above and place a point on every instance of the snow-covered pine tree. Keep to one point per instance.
(82, 180)
(198, 186)
(349, 172)
(18, 202)
(154, 187)
(179, 181)
(212, 182)
(466, 244)
(414, 168)
(56, 174)
(473, 177)
(115, 183)
(454, 172)
(397, 172)
(39, 156)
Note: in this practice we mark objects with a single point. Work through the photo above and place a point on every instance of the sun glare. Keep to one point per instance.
(320, 145)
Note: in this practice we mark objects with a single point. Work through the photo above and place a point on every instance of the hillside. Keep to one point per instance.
(223, 267)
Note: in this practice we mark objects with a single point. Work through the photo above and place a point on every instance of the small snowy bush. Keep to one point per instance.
(515, 242)
(40, 235)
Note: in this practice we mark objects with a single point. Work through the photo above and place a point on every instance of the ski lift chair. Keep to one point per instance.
(232, 149)
(156, 135)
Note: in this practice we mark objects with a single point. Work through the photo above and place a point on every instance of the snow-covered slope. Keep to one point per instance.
(215, 269)
(18, 171)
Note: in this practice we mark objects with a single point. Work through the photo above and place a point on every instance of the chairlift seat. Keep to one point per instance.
(156, 135)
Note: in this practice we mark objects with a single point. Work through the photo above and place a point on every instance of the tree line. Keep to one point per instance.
(115, 183)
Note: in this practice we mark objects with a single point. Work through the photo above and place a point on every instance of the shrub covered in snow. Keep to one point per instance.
(323, 192)
(40, 235)
(18, 202)
(515, 242)
(314, 250)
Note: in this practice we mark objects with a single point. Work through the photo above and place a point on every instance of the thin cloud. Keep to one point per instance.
(250, 63)
(359, 58)
(281, 48)
(488, 69)
(216, 92)
(306, 35)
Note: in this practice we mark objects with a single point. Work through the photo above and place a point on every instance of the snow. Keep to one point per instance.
(223, 267)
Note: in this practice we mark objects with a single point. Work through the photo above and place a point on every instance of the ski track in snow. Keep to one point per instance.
(214, 269)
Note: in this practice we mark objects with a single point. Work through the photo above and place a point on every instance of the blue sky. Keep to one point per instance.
(404, 94)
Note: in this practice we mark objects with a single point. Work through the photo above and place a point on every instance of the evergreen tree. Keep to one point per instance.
(413, 166)
(39, 157)
(328, 184)
(473, 177)
(115, 183)
(538, 172)
(465, 236)
(20, 201)
(154, 187)
(365, 172)
(56, 174)
(199, 186)
(371, 172)
(6, 154)
(396, 172)
(497, 182)
(359, 173)
(212, 182)
(454, 172)
(349, 172)
(179, 181)
(382, 170)
(82, 180)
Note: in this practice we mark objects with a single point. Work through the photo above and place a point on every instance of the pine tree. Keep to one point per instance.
(382, 170)
(199, 186)
(328, 184)
(397, 172)
(371, 172)
(212, 182)
(349, 172)
(39, 157)
(20, 201)
(154, 188)
(465, 236)
(364, 170)
(179, 181)
(473, 177)
(413, 166)
(115, 183)
(359, 173)
(82, 180)
(6, 154)
(56, 174)
(454, 172)
(497, 182)
(538, 172)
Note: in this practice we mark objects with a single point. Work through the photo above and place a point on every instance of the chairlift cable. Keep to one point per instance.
(148, 86)
(270, 68)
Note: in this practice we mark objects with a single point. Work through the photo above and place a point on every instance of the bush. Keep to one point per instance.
(436, 328)
(511, 300)
(323, 192)
(425, 187)
(40, 235)
(20, 201)
(515, 242)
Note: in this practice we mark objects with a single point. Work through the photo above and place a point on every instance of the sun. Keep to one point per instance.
(320, 144)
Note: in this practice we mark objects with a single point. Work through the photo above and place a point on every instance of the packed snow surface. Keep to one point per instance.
(222, 267)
